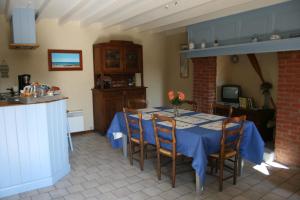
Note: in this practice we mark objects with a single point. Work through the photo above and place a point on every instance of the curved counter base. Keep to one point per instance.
(33, 146)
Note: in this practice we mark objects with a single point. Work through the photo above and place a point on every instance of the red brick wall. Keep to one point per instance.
(287, 142)
(204, 82)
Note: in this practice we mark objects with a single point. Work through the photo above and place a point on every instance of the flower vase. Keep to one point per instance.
(176, 111)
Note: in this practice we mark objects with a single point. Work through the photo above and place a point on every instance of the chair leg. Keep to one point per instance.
(217, 166)
(130, 153)
(146, 151)
(235, 169)
(211, 166)
(221, 165)
(173, 175)
(158, 169)
(142, 156)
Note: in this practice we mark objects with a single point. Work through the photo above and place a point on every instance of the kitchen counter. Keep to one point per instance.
(33, 145)
(5, 103)
(40, 100)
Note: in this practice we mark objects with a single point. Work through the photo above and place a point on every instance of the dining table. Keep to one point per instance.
(197, 136)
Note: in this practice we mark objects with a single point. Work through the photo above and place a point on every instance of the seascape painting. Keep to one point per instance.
(60, 60)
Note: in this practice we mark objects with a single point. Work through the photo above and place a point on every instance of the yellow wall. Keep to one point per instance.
(173, 80)
(77, 84)
(243, 74)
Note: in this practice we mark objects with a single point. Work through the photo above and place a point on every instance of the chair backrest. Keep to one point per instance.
(164, 136)
(192, 103)
(219, 109)
(136, 103)
(231, 137)
(134, 124)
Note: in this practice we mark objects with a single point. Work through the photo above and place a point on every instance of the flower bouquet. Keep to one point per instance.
(176, 100)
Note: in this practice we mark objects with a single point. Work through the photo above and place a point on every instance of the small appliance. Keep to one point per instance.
(24, 80)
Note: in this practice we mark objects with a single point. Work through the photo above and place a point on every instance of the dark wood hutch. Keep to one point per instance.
(115, 65)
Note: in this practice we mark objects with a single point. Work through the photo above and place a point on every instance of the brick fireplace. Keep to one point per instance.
(204, 82)
(287, 141)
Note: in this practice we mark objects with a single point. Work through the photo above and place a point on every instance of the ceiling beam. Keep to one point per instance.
(110, 7)
(254, 62)
(218, 11)
(180, 16)
(172, 8)
(133, 11)
(41, 9)
(67, 16)
(204, 9)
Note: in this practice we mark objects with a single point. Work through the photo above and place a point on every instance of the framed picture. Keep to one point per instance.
(64, 60)
(184, 66)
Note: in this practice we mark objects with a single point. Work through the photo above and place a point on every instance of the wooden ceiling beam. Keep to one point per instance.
(67, 16)
(173, 8)
(254, 62)
(110, 7)
(41, 9)
(133, 11)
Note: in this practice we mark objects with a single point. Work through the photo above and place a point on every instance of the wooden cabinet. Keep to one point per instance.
(112, 59)
(106, 102)
(133, 59)
(116, 61)
(135, 94)
(117, 57)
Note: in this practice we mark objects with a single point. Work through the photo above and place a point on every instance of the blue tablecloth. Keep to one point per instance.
(196, 142)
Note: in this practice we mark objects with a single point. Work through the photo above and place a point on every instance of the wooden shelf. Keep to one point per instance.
(288, 44)
(23, 46)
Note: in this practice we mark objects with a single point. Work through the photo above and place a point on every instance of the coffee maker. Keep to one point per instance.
(24, 80)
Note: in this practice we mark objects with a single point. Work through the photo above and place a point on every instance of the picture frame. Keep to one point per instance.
(64, 60)
(184, 66)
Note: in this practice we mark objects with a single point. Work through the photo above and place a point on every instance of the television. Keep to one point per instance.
(230, 93)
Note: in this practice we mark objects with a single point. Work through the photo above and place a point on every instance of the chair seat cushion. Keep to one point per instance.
(167, 152)
(228, 154)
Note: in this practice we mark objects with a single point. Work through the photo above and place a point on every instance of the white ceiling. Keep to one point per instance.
(140, 15)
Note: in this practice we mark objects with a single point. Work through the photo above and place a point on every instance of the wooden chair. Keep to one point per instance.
(219, 109)
(229, 148)
(193, 104)
(136, 103)
(135, 135)
(165, 143)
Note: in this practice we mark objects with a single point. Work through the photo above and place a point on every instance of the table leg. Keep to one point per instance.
(199, 186)
(124, 139)
(241, 166)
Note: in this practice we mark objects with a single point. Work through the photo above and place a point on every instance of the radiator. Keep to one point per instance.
(75, 120)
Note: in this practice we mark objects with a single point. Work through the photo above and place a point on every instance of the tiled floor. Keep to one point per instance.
(100, 172)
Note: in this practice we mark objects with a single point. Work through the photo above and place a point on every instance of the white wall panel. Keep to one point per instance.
(33, 146)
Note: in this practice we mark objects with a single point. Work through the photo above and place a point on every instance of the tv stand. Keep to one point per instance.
(260, 117)
(233, 105)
